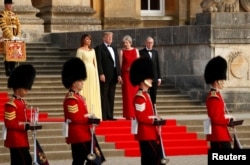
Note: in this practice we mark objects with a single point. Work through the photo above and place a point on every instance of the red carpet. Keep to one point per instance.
(43, 116)
(176, 139)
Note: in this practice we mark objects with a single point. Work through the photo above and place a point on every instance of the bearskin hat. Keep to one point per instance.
(8, 2)
(73, 69)
(141, 69)
(22, 76)
(216, 69)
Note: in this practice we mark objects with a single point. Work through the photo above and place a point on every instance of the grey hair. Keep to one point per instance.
(149, 37)
(127, 38)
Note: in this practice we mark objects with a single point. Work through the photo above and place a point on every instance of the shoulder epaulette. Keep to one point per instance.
(71, 96)
(213, 94)
(11, 102)
(140, 93)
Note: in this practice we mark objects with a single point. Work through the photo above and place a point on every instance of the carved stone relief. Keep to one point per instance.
(238, 58)
(245, 4)
(220, 5)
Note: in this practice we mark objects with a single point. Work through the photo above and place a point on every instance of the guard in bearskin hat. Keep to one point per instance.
(15, 118)
(146, 130)
(8, 2)
(77, 118)
(215, 74)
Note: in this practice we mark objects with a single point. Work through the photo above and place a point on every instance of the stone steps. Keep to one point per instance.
(53, 143)
(48, 93)
(195, 125)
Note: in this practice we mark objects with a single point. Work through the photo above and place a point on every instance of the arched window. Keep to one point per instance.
(152, 7)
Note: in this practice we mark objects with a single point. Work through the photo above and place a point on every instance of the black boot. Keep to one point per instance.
(9, 67)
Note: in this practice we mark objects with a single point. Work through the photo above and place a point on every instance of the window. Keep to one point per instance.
(152, 7)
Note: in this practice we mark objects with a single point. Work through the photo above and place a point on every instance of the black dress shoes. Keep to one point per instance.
(112, 119)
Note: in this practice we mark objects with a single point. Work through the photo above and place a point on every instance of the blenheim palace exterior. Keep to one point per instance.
(187, 34)
(90, 15)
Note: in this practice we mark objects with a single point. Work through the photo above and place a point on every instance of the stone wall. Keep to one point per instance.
(185, 50)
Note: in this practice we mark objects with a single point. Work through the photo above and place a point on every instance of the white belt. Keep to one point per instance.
(12, 26)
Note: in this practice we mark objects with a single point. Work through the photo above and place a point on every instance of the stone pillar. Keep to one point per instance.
(121, 14)
(97, 5)
(67, 15)
(194, 8)
(230, 38)
(183, 12)
(27, 14)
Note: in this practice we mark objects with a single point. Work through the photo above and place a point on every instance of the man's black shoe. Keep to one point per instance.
(112, 119)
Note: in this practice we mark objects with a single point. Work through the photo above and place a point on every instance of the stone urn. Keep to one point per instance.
(245, 4)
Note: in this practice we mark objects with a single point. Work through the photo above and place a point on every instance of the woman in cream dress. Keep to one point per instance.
(91, 88)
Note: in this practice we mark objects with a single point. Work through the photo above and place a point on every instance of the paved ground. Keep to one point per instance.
(174, 160)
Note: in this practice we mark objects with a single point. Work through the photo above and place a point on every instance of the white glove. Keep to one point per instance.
(17, 38)
(14, 38)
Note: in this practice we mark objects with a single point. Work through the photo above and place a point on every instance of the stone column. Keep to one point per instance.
(121, 14)
(67, 15)
(230, 38)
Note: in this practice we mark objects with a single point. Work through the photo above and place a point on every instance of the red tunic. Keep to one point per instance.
(74, 111)
(14, 120)
(143, 111)
(219, 120)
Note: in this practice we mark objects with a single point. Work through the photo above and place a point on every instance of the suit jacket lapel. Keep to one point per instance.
(107, 51)
(146, 52)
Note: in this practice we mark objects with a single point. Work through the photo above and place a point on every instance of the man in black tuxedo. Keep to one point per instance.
(109, 74)
(149, 52)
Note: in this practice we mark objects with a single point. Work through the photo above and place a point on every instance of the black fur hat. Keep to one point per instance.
(22, 76)
(216, 69)
(8, 2)
(141, 69)
(73, 69)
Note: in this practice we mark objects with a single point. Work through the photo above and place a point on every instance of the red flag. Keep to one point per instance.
(98, 152)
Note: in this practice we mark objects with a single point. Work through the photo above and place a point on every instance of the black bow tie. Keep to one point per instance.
(149, 50)
(108, 46)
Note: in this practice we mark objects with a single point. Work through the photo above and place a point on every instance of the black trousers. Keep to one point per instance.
(150, 152)
(107, 99)
(80, 152)
(9, 67)
(20, 156)
(220, 145)
(153, 91)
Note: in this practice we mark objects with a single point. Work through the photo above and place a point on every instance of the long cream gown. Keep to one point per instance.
(91, 88)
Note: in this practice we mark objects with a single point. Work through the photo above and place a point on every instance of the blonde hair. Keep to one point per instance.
(107, 33)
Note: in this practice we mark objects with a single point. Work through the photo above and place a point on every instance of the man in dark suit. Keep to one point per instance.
(149, 52)
(109, 74)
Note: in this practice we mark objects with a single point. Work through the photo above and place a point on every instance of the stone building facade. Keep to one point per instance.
(88, 15)
(187, 35)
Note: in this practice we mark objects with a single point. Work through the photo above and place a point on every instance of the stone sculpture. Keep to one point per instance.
(220, 5)
(245, 4)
